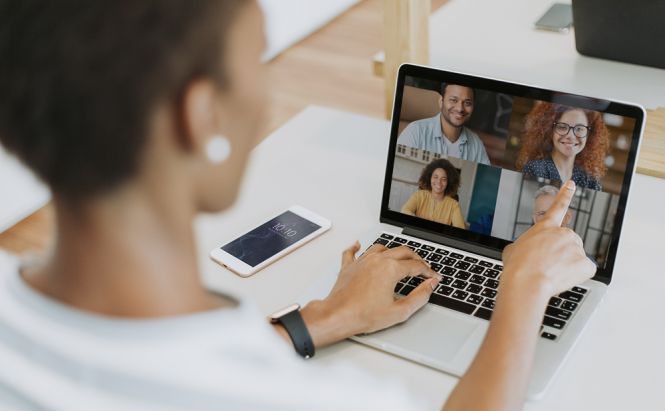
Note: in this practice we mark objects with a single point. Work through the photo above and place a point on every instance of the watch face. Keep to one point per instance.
(276, 315)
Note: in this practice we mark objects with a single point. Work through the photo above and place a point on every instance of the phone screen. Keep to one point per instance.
(270, 238)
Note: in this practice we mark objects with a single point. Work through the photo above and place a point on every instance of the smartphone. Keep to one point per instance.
(270, 241)
(558, 18)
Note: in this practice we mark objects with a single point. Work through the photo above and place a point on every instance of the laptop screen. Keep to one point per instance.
(482, 160)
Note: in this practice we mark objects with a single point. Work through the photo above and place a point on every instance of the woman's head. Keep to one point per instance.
(96, 96)
(554, 129)
(440, 177)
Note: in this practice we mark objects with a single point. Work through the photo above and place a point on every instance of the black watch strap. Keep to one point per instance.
(295, 326)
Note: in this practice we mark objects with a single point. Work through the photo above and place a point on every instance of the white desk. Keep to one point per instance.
(333, 162)
(496, 38)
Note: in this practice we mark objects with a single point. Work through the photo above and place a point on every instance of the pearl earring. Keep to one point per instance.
(218, 149)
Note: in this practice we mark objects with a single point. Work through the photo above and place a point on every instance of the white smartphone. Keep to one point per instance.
(270, 241)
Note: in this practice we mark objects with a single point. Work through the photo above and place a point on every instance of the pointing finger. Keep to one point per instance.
(554, 216)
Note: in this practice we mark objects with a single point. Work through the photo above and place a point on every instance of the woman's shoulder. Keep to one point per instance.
(537, 166)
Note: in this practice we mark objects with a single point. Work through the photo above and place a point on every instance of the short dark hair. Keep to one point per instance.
(79, 80)
(425, 181)
(445, 85)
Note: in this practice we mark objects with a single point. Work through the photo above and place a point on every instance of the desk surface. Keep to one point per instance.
(333, 162)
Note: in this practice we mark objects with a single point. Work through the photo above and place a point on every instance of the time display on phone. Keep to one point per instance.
(270, 238)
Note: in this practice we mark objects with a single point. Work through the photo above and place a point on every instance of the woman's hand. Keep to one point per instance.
(362, 300)
(548, 256)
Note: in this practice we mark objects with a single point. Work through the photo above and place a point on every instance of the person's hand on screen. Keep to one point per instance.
(547, 254)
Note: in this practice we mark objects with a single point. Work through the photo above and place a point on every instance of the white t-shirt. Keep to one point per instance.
(55, 357)
(453, 148)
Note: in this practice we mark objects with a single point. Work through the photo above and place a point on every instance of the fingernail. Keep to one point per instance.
(434, 283)
(570, 185)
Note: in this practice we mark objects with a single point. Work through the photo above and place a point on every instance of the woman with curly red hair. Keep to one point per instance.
(562, 143)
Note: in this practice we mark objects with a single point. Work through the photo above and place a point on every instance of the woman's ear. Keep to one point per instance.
(197, 115)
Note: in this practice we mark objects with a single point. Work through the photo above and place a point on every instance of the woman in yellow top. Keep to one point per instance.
(435, 199)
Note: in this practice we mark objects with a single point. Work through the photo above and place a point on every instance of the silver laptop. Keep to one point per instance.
(470, 168)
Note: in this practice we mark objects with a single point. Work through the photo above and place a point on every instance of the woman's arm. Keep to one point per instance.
(545, 260)
(457, 217)
(411, 205)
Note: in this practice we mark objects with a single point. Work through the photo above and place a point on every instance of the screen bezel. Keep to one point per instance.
(518, 90)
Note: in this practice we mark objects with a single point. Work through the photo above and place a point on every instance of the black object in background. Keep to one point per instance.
(631, 31)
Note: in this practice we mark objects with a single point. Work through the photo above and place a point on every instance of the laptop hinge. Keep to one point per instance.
(453, 242)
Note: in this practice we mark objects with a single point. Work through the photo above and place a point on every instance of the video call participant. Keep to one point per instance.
(445, 133)
(562, 143)
(435, 199)
(543, 200)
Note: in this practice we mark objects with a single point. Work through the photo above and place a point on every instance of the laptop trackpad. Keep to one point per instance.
(431, 333)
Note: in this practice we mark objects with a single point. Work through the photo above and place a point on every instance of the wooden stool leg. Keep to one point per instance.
(406, 34)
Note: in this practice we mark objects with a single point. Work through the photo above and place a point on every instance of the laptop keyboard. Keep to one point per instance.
(470, 282)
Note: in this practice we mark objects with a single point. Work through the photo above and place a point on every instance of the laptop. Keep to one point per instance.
(500, 183)
(621, 30)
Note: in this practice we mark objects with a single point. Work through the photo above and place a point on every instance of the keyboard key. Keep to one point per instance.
(491, 273)
(435, 266)
(492, 283)
(447, 280)
(569, 295)
(387, 236)
(476, 269)
(547, 335)
(381, 241)
(553, 322)
(485, 264)
(579, 290)
(434, 257)
(422, 253)
(558, 313)
(398, 286)
(441, 251)
(414, 243)
(415, 281)
(406, 289)
(412, 247)
(427, 247)
(488, 303)
(448, 270)
(474, 288)
(400, 240)
(474, 299)
(393, 244)
(483, 313)
(462, 265)
(471, 260)
(444, 290)
(498, 267)
(460, 284)
(448, 261)
(476, 279)
(463, 275)
(456, 255)
(569, 305)
(447, 302)
(489, 293)
(461, 295)
(555, 301)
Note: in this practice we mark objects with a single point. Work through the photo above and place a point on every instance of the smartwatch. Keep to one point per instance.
(294, 325)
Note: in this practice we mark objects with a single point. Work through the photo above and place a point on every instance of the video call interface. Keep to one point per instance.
(492, 163)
